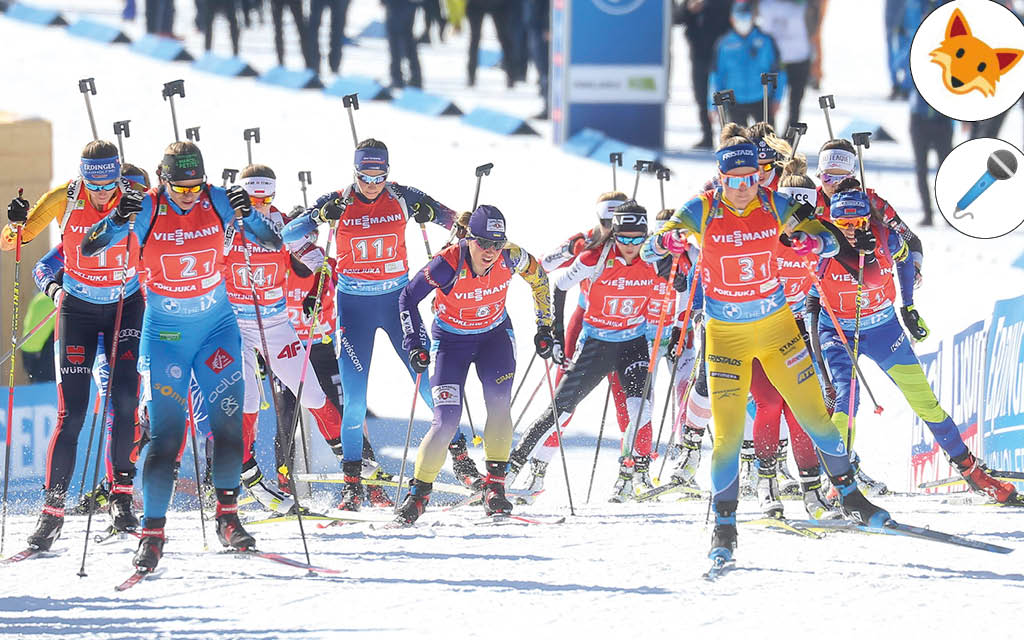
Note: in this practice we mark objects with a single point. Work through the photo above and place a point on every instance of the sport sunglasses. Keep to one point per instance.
(736, 182)
(485, 244)
(177, 188)
(371, 179)
(631, 240)
(100, 187)
(860, 222)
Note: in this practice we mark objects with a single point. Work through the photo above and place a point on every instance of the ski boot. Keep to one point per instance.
(855, 506)
(262, 492)
(534, 481)
(873, 487)
(376, 494)
(642, 474)
(687, 467)
(723, 538)
(415, 502)
(94, 501)
(975, 473)
(352, 493)
(121, 513)
(48, 528)
(463, 466)
(817, 507)
(768, 491)
(515, 465)
(495, 502)
(748, 470)
(788, 485)
(623, 490)
(151, 545)
(229, 527)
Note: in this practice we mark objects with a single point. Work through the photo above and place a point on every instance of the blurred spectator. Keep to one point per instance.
(248, 6)
(339, 16)
(277, 13)
(538, 24)
(230, 10)
(37, 352)
(789, 23)
(504, 13)
(402, 44)
(160, 17)
(895, 36)
(929, 130)
(432, 15)
(990, 128)
(128, 13)
(704, 22)
(739, 59)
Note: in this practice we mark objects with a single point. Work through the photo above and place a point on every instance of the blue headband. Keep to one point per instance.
(736, 156)
(371, 158)
(764, 152)
(849, 204)
(94, 169)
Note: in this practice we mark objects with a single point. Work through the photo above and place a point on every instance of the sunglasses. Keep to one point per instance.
(860, 222)
(177, 188)
(833, 178)
(737, 182)
(486, 244)
(371, 179)
(630, 240)
(264, 200)
(766, 166)
(100, 187)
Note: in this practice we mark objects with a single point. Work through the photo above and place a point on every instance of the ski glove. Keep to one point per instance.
(240, 201)
(673, 344)
(804, 212)
(802, 243)
(422, 212)
(332, 210)
(130, 204)
(544, 342)
(52, 290)
(419, 359)
(17, 210)
(673, 242)
(864, 240)
(915, 325)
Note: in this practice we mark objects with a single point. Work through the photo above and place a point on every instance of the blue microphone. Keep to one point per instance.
(1002, 164)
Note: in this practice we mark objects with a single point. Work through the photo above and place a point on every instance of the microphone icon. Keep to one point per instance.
(1001, 165)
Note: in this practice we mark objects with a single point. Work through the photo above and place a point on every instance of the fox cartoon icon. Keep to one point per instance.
(968, 63)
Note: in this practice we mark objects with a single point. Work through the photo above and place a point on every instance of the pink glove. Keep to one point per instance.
(803, 244)
(673, 242)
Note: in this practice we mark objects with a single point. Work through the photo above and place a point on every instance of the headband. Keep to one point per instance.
(764, 151)
(94, 169)
(836, 159)
(259, 186)
(802, 195)
(371, 158)
(629, 221)
(736, 156)
(606, 208)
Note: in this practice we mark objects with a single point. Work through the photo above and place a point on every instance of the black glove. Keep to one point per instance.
(804, 212)
(332, 210)
(422, 212)
(239, 199)
(864, 240)
(130, 204)
(913, 322)
(52, 289)
(544, 342)
(17, 210)
(673, 342)
(419, 359)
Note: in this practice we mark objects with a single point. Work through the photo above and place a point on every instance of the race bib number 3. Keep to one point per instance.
(751, 268)
(374, 248)
(182, 267)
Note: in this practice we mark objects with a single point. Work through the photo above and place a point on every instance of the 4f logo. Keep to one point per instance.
(219, 361)
(290, 350)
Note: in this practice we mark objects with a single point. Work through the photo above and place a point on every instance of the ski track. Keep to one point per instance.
(613, 569)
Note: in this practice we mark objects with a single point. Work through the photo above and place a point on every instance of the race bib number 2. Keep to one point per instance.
(182, 267)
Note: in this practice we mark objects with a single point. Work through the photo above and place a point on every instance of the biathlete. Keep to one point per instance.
(470, 279)
(87, 295)
(188, 328)
(372, 267)
(749, 326)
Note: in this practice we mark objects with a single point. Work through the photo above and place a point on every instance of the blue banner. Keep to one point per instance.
(1003, 413)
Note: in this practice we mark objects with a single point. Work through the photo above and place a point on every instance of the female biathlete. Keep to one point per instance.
(613, 338)
(881, 337)
(749, 326)
(188, 328)
(471, 326)
(372, 267)
(87, 296)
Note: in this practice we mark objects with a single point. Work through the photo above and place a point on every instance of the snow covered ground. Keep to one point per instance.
(612, 570)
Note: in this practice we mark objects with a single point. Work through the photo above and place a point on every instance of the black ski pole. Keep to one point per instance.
(122, 131)
(171, 89)
(826, 103)
(88, 86)
(351, 103)
(199, 483)
(523, 381)
(639, 167)
(722, 101)
(616, 160)
(92, 436)
(600, 435)
(772, 80)
(558, 430)
(664, 175)
(794, 134)
(192, 133)
(305, 178)
(251, 135)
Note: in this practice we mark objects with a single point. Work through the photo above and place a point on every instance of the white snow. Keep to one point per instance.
(610, 571)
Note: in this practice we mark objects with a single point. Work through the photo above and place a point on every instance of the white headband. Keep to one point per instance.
(836, 159)
(800, 194)
(259, 186)
(606, 208)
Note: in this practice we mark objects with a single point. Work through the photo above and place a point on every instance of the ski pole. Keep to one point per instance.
(15, 301)
(523, 381)
(112, 363)
(171, 89)
(351, 103)
(199, 490)
(664, 175)
(694, 372)
(668, 399)
(826, 103)
(766, 80)
(862, 140)
(192, 133)
(408, 439)
(639, 167)
(722, 101)
(251, 135)
(794, 134)
(88, 86)
(600, 435)
(227, 177)
(122, 131)
(305, 178)
(528, 401)
(615, 159)
(558, 429)
(101, 383)
(28, 335)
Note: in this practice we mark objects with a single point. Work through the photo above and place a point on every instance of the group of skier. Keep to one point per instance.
(189, 289)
